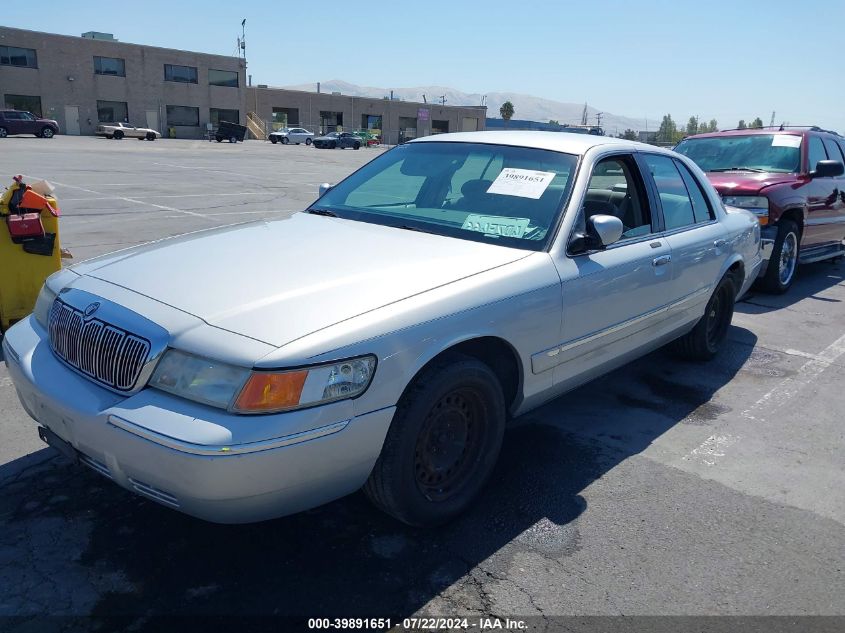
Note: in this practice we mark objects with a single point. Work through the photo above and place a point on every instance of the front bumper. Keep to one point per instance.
(186, 456)
(767, 245)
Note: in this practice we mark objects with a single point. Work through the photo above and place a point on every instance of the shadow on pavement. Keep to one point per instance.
(810, 281)
(346, 559)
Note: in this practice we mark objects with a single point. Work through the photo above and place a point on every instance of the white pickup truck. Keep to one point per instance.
(119, 130)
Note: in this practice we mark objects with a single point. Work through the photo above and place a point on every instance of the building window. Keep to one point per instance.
(371, 122)
(14, 56)
(183, 115)
(183, 74)
(219, 114)
(25, 103)
(284, 117)
(330, 121)
(109, 66)
(439, 127)
(407, 128)
(228, 78)
(112, 112)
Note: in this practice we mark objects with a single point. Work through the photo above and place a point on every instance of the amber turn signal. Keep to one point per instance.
(265, 391)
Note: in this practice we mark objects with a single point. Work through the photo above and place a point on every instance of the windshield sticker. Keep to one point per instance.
(786, 140)
(495, 225)
(524, 183)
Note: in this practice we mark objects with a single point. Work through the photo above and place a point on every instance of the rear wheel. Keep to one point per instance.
(47, 132)
(442, 445)
(3, 132)
(780, 272)
(705, 340)
(232, 139)
(118, 134)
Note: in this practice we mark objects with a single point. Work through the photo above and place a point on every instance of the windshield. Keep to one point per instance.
(779, 153)
(485, 193)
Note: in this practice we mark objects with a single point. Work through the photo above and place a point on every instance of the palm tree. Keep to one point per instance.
(506, 111)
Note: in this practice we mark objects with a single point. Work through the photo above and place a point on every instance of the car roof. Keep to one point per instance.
(748, 132)
(567, 142)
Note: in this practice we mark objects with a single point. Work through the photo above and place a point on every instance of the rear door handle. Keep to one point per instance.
(661, 261)
(720, 243)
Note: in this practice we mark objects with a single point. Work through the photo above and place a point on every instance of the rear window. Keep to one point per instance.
(780, 153)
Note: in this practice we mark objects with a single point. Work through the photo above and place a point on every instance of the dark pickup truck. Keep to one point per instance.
(792, 179)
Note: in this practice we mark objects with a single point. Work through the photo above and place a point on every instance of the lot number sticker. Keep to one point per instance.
(524, 183)
(786, 140)
(495, 225)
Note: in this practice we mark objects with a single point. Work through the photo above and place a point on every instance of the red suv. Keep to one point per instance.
(21, 122)
(791, 179)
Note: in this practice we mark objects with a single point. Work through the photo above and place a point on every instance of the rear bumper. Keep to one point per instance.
(139, 442)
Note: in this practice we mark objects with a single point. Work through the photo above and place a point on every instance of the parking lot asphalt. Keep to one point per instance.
(665, 487)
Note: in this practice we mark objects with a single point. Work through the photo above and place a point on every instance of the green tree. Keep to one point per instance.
(629, 135)
(668, 131)
(692, 126)
(756, 123)
(554, 122)
(714, 126)
(506, 111)
(742, 125)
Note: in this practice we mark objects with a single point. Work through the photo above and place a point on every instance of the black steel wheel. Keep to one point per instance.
(705, 340)
(118, 134)
(443, 442)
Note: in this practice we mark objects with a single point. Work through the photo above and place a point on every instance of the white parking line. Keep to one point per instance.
(789, 387)
(711, 449)
(104, 196)
(181, 195)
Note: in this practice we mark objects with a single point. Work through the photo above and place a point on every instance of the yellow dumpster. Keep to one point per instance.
(26, 259)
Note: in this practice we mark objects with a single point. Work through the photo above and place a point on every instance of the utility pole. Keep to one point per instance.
(772, 121)
(442, 99)
(598, 118)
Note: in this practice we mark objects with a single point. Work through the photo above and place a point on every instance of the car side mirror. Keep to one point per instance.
(324, 189)
(602, 231)
(828, 169)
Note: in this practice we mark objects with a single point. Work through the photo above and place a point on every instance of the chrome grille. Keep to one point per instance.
(103, 352)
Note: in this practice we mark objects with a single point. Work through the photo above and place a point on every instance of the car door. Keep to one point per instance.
(821, 199)
(614, 299)
(297, 135)
(690, 228)
(15, 123)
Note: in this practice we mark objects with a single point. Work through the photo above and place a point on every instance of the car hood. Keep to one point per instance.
(278, 281)
(746, 183)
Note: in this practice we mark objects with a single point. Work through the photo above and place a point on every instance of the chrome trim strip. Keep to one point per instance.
(545, 360)
(222, 450)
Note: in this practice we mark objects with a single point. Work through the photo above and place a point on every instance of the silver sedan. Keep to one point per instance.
(383, 337)
(292, 135)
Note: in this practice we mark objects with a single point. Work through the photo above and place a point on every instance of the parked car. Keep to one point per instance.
(228, 131)
(21, 122)
(792, 180)
(120, 130)
(292, 135)
(493, 271)
(333, 140)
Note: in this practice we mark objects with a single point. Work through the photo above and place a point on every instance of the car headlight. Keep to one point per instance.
(246, 391)
(758, 205)
(43, 305)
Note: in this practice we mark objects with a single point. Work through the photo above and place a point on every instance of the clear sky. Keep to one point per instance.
(716, 59)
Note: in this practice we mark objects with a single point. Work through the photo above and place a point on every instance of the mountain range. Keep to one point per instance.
(525, 106)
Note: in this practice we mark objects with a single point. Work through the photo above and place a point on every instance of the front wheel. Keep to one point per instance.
(232, 139)
(705, 340)
(274, 140)
(3, 132)
(118, 135)
(285, 140)
(47, 132)
(442, 445)
(308, 141)
(780, 272)
(356, 146)
(151, 136)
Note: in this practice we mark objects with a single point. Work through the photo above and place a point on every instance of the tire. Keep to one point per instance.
(118, 134)
(333, 145)
(141, 138)
(47, 132)
(274, 140)
(442, 445)
(308, 141)
(109, 136)
(219, 139)
(151, 136)
(232, 139)
(3, 132)
(285, 140)
(356, 146)
(780, 273)
(705, 340)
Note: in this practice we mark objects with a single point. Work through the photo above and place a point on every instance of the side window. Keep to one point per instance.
(815, 153)
(674, 198)
(700, 205)
(833, 151)
(841, 144)
(616, 189)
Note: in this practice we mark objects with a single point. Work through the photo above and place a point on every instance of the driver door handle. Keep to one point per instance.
(661, 261)
(720, 243)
